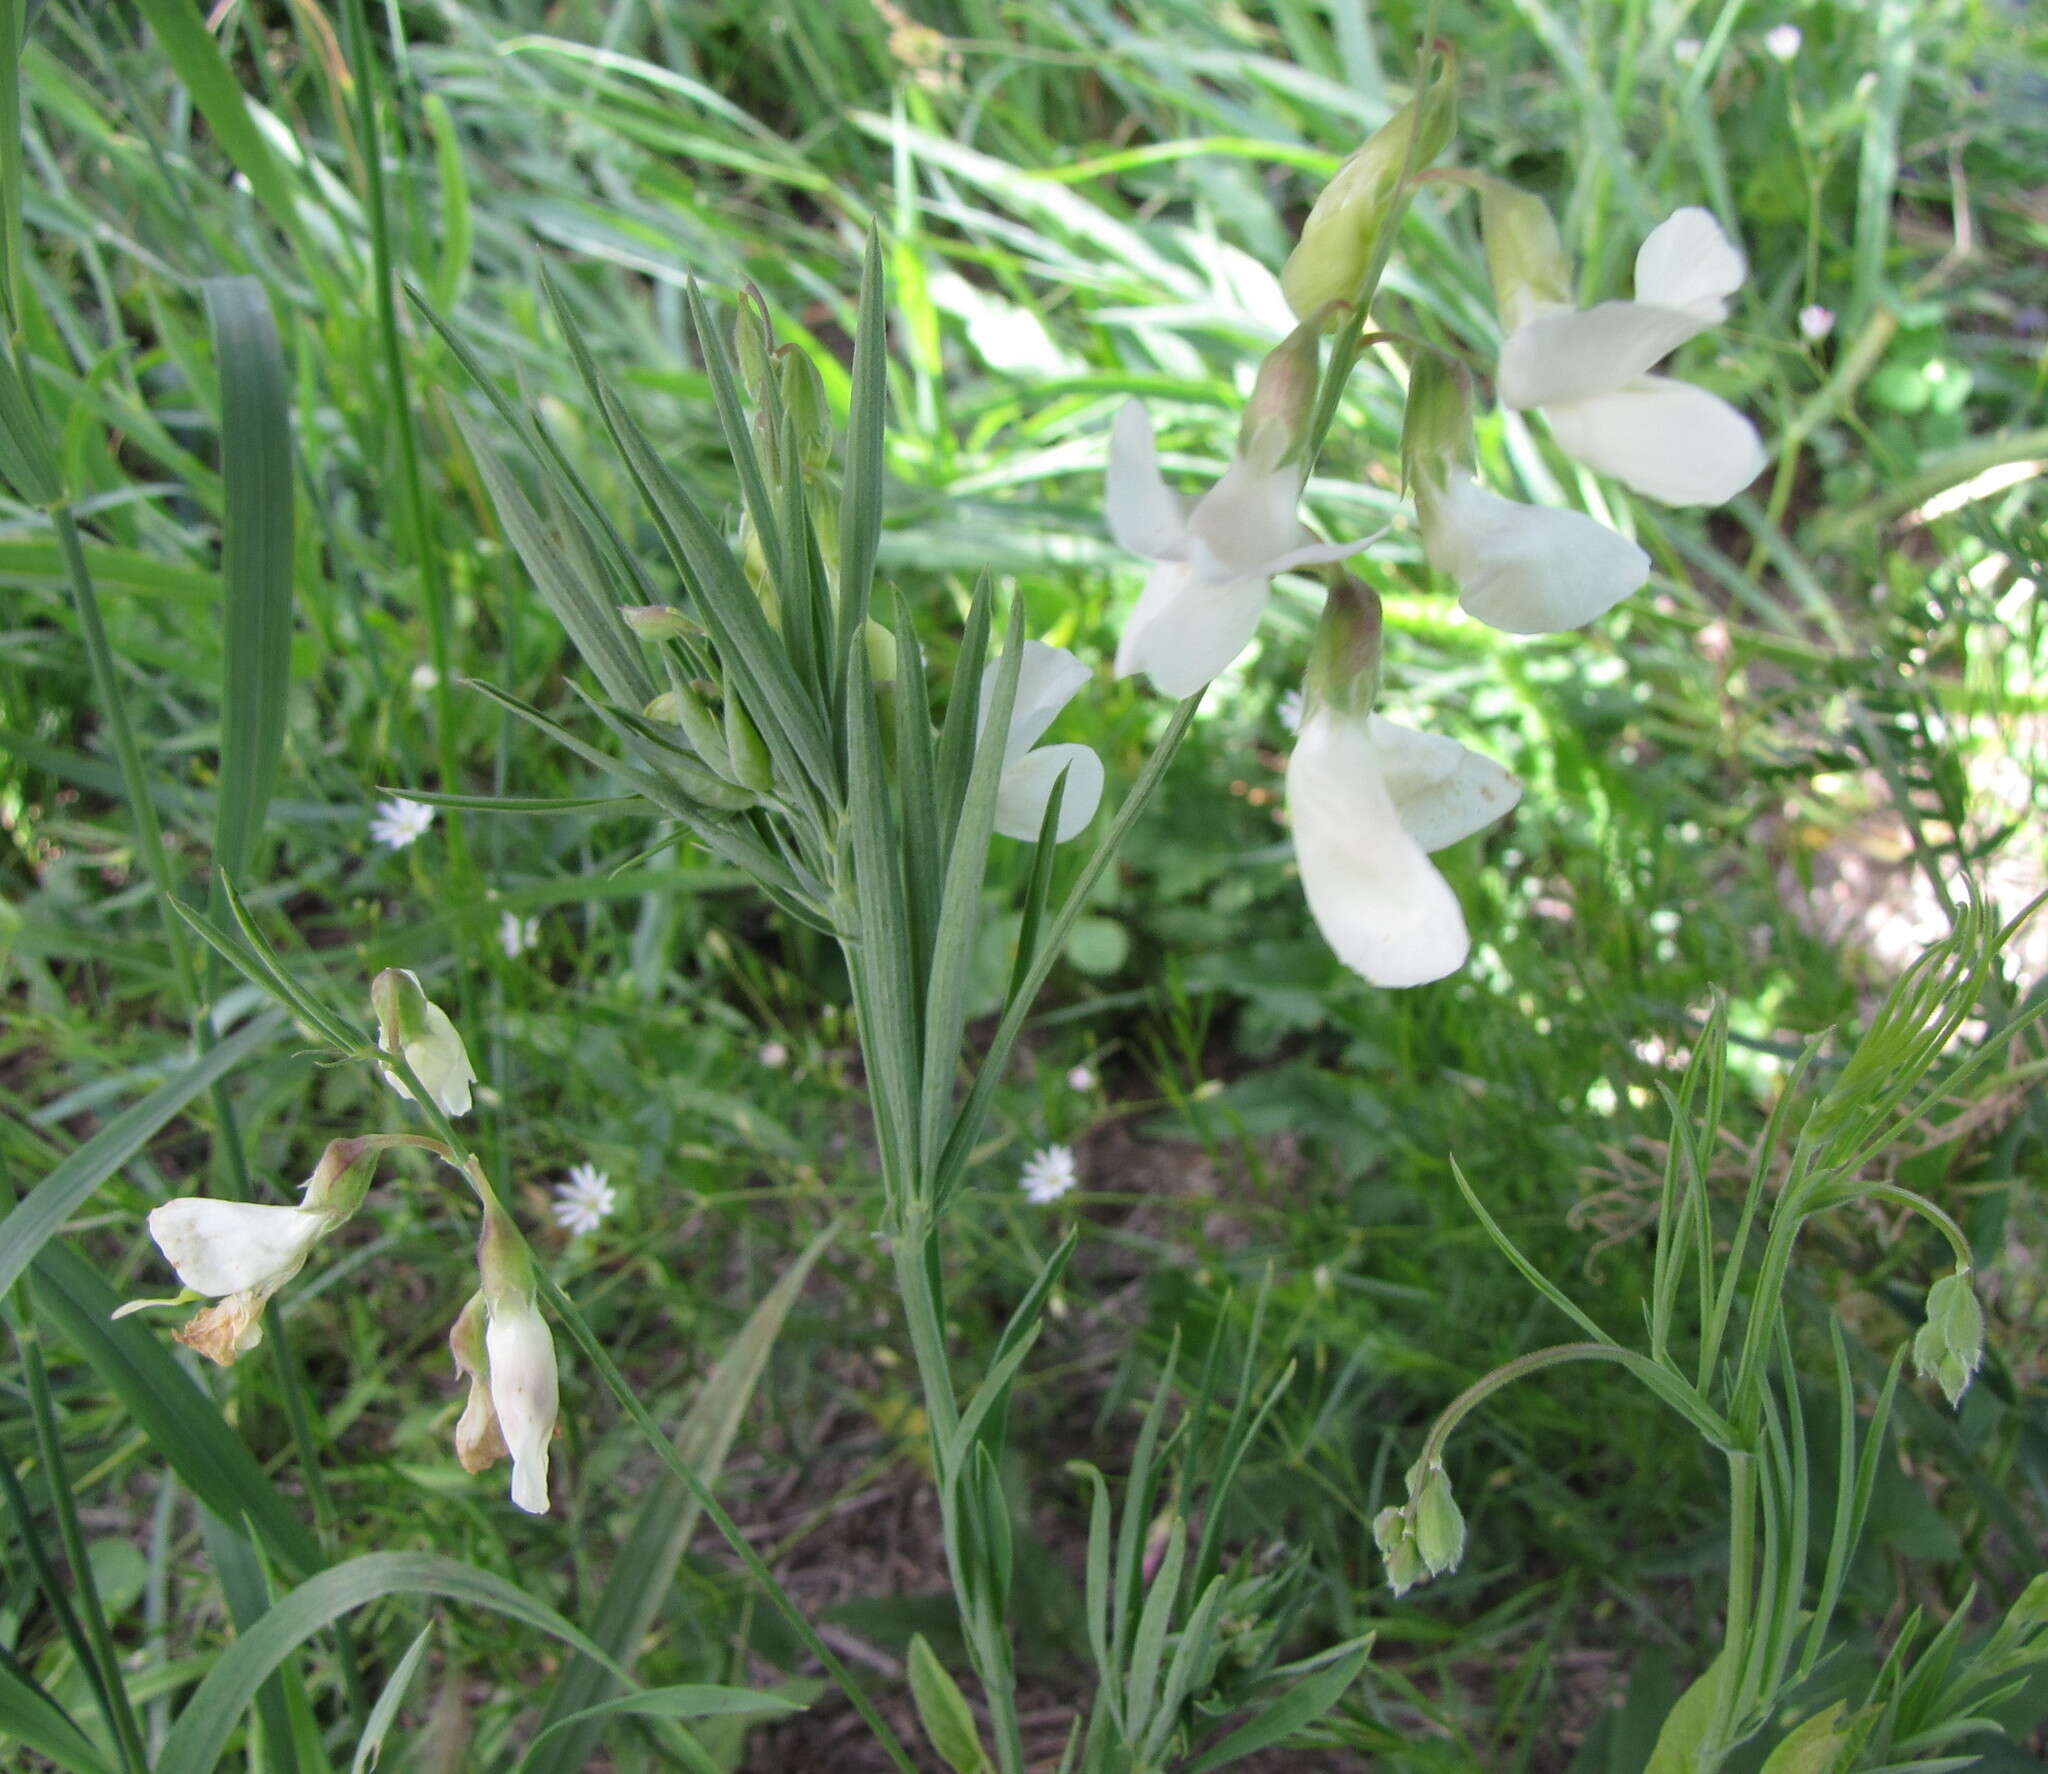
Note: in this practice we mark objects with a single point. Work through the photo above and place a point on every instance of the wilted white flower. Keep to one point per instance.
(1048, 1174)
(1588, 369)
(1047, 678)
(399, 822)
(586, 1200)
(408, 1019)
(1816, 322)
(516, 934)
(1080, 1078)
(1216, 559)
(1783, 41)
(772, 1054)
(1368, 801)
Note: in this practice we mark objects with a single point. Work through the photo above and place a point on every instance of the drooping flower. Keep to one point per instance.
(411, 1022)
(1215, 560)
(241, 1252)
(501, 1344)
(1588, 369)
(1048, 1174)
(585, 1201)
(1047, 678)
(1527, 569)
(399, 822)
(1368, 801)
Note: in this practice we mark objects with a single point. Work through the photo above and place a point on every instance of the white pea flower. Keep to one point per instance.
(1215, 559)
(1047, 678)
(508, 1357)
(1587, 369)
(241, 1252)
(1528, 569)
(399, 822)
(1048, 1174)
(408, 1019)
(1368, 801)
(585, 1201)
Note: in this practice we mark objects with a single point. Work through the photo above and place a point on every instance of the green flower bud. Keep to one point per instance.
(342, 1178)
(1523, 253)
(751, 767)
(1950, 1346)
(810, 415)
(752, 340)
(1394, 1534)
(683, 707)
(659, 622)
(1439, 1528)
(1338, 241)
(409, 1022)
(1344, 660)
(1274, 430)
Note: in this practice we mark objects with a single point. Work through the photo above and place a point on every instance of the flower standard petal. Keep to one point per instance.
(1145, 514)
(229, 1247)
(1666, 440)
(1443, 791)
(1576, 354)
(1687, 262)
(1526, 569)
(1026, 786)
(1247, 520)
(1378, 900)
(1186, 629)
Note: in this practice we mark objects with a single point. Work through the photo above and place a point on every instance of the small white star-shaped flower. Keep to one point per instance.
(1048, 1174)
(399, 822)
(516, 934)
(585, 1201)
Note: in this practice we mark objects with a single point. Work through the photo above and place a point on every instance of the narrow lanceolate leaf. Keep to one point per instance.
(256, 560)
(26, 464)
(370, 1744)
(860, 507)
(955, 758)
(739, 444)
(943, 1711)
(953, 946)
(28, 1717)
(661, 1533)
(13, 29)
(217, 1704)
(1300, 1706)
(37, 1217)
(183, 1426)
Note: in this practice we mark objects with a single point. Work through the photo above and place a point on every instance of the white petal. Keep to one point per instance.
(229, 1247)
(1248, 520)
(1442, 790)
(1577, 354)
(1047, 678)
(1528, 569)
(526, 1394)
(1145, 514)
(1667, 440)
(1687, 262)
(1379, 901)
(1185, 629)
(1027, 786)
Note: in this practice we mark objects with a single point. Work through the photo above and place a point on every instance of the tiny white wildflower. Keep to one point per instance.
(399, 822)
(585, 1201)
(773, 1054)
(1081, 1078)
(1815, 323)
(1048, 1175)
(424, 678)
(1290, 711)
(1783, 41)
(516, 934)
(1686, 51)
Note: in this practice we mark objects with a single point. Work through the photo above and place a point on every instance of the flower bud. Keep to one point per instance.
(751, 767)
(411, 1023)
(659, 622)
(1439, 1527)
(1274, 430)
(1344, 659)
(1332, 259)
(752, 341)
(1523, 254)
(810, 415)
(683, 707)
(1394, 1534)
(1950, 1345)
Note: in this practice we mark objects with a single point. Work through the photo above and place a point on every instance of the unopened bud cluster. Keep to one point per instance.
(1424, 1537)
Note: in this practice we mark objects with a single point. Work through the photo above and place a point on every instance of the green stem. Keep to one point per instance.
(607, 1370)
(1720, 1734)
